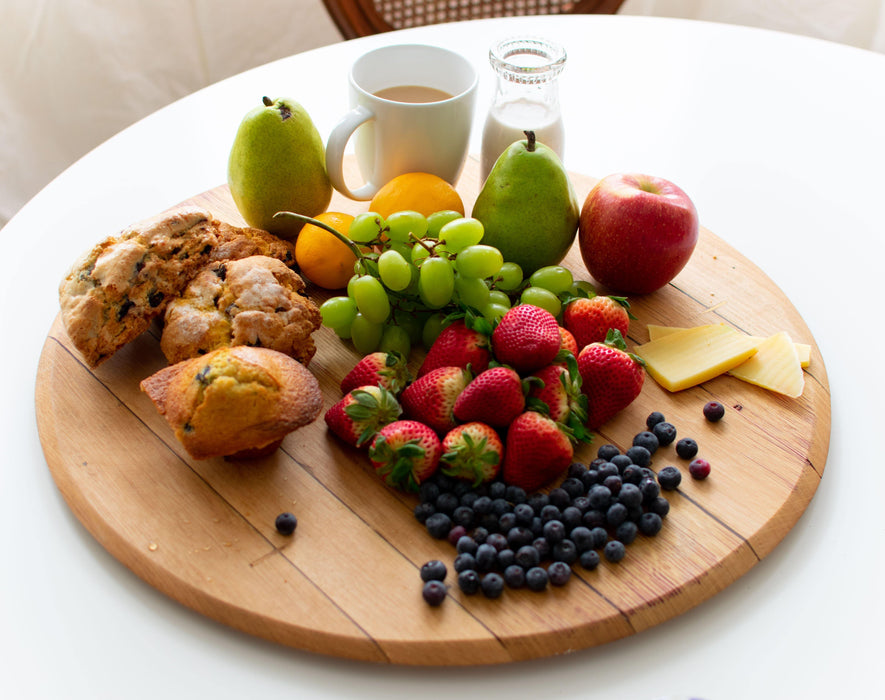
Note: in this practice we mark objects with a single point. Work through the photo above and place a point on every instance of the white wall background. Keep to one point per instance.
(74, 72)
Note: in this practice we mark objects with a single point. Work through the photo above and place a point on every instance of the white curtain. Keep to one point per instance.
(74, 72)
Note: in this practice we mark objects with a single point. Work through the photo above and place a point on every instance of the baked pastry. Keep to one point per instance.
(234, 400)
(115, 290)
(255, 301)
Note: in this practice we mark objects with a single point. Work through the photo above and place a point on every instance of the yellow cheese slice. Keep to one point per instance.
(656, 331)
(691, 356)
(775, 366)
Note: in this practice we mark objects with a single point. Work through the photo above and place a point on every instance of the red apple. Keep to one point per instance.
(636, 232)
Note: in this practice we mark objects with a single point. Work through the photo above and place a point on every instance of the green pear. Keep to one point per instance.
(278, 163)
(528, 206)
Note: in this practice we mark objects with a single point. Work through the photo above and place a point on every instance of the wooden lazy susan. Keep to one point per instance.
(347, 582)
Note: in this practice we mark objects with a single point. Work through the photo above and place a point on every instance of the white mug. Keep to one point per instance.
(395, 132)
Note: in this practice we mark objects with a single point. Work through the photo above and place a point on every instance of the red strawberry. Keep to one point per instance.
(459, 344)
(431, 399)
(526, 338)
(362, 413)
(568, 341)
(559, 394)
(387, 369)
(495, 396)
(536, 452)
(589, 319)
(611, 378)
(405, 453)
(472, 451)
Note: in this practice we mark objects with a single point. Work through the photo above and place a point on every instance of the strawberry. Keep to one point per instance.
(537, 450)
(557, 393)
(463, 342)
(387, 369)
(405, 453)
(362, 413)
(611, 378)
(431, 399)
(588, 320)
(568, 341)
(472, 451)
(526, 338)
(495, 396)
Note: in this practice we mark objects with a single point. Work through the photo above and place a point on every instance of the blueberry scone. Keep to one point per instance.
(235, 401)
(256, 301)
(115, 290)
(235, 243)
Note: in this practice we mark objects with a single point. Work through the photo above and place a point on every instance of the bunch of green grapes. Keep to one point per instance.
(413, 271)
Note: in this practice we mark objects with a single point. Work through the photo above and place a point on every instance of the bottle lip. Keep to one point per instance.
(527, 59)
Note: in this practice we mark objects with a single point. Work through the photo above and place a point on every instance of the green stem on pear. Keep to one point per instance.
(530, 146)
(316, 222)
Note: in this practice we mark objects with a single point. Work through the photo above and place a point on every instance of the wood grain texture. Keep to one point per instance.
(347, 584)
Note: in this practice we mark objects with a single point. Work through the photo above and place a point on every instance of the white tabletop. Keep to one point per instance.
(778, 139)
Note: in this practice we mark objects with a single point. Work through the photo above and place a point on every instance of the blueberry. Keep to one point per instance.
(433, 570)
(600, 537)
(524, 514)
(466, 545)
(699, 468)
(576, 470)
(506, 557)
(590, 478)
(456, 533)
(514, 576)
(614, 551)
(608, 451)
(574, 488)
(519, 537)
(600, 497)
(669, 478)
(630, 495)
(468, 581)
(594, 518)
(482, 505)
(646, 439)
(464, 562)
(559, 573)
(446, 503)
(571, 517)
(626, 532)
(438, 525)
(492, 585)
(543, 547)
(469, 498)
(613, 483)
(536, 578)
(640, 455)
(565, 551)
(589, 559)
(423, 511)
(714, 411)
(582, 537)
(463, 515)
(607, 469)
(632, 474)
(537, 501)
(497, 489)
(507, 521)
(486, 556)
(582, 503)
(650, 524)
(501, 506)
(554, 531)
(428, 492)
(687, 448)
(665, 433)
(616, 514)
(649, 489)
(560, 498)
(653, 419)
(527, 556)
(497, 540)
(515, 494)
(434, 592)
(659, 506)
(550, 512)
(480, 534)
(286, 523)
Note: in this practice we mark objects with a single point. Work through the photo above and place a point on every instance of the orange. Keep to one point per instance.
(421, 192)
(321, 257)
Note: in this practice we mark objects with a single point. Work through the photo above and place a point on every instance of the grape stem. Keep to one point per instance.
(316, 222)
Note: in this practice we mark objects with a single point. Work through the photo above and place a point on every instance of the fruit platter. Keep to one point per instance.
(485, 449)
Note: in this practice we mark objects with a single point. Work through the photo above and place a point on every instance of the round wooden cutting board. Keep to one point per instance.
(347, 582)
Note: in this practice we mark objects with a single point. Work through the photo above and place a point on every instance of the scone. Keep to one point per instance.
(115, 290)
(234, 400)
(235, 243)
(256, 301)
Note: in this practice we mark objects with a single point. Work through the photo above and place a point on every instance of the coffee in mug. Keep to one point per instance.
(411, 111)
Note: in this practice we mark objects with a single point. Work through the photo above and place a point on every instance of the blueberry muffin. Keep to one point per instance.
(235, 401)
(115, 290)
(256, 301)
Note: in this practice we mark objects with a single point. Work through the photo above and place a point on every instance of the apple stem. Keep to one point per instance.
(530, 146)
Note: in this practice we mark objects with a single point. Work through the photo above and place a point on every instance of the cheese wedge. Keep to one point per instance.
(803, 349)
(691, 356)
(775, 366)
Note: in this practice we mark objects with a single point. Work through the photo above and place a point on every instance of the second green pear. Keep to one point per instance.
(528, 206)
(278, 163)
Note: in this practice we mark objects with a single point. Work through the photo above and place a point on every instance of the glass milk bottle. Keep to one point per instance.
(526, 97)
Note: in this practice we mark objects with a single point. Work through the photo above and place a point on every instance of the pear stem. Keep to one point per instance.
(323, 225)
(267, 101)
(530, 146)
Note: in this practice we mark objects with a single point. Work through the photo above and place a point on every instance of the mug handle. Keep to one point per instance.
(335, 146)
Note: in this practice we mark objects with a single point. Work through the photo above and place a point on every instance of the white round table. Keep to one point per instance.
(779, 141)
